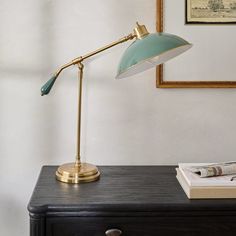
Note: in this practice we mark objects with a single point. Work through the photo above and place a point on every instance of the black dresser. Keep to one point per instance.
(126, 201)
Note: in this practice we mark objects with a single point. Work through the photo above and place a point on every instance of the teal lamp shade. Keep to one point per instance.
(150, 51)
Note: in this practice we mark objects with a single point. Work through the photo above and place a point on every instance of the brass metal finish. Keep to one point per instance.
(140, 31)
(122, 40)
(79, 59)
(161, 83)
(83, 172)
(81, 67)
(70, 173)
(78, 172)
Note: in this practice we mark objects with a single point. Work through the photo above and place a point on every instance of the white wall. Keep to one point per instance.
(211, 58)
(126, 122)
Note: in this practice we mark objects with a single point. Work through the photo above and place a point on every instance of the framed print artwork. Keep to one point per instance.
(210, 63)
(210, 11)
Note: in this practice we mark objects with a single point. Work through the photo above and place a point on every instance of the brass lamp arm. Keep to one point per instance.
(122, 40)
(49, 84)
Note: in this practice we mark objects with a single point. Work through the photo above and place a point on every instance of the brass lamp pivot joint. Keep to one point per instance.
(140, 31)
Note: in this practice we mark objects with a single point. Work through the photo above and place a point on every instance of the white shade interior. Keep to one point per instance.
(153, 61)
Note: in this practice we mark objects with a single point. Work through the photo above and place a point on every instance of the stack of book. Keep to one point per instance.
(196, 187)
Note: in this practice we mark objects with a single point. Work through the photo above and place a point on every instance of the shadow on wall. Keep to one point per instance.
(28, 69)
(26, 57)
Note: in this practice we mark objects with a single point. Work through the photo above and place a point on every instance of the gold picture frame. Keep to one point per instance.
(161, 83)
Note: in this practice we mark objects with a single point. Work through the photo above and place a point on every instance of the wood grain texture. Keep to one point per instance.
(138, 200)
(121, 189)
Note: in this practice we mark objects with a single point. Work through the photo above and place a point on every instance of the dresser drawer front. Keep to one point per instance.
(142, 226)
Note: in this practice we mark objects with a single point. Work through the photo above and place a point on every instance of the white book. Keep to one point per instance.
(194, 180)
(205, 192)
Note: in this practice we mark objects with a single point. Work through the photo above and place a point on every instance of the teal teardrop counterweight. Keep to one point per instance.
(48, 85)
(152, 50)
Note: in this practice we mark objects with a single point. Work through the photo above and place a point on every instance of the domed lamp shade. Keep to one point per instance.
(149, 51)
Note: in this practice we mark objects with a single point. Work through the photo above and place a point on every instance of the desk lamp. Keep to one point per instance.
(147, 50)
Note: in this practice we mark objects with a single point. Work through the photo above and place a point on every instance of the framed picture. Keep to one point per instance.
(210, 12)
(210, 63)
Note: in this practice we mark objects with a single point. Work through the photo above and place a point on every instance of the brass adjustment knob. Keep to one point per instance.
(113, 232)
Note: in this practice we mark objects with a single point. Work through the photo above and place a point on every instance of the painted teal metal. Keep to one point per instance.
(149, 47)
(47, 86)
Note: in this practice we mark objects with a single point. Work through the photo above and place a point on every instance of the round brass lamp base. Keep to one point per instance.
(69, 173)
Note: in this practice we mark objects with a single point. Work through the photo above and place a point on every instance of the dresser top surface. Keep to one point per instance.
(120, 188)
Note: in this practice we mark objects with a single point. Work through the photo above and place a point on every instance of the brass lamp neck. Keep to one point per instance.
(140, 31)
